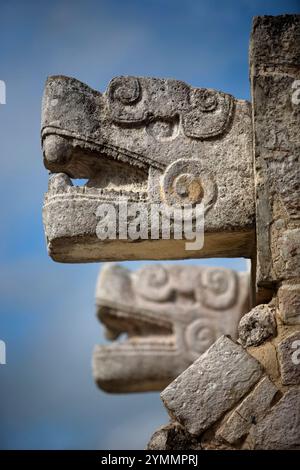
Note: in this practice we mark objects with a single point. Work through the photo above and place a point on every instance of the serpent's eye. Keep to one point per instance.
(163, 129)
(126, 90)
(206, 100)
(152, 283)
(217, 288)
(185, 182)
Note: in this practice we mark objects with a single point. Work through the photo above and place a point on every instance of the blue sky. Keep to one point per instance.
(47, 318)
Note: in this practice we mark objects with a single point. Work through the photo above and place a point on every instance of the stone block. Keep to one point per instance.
(289, 359)
(280, 429)
(212, 385)
(172, 437)
(249, 412)
(257, 325)
(289, 304)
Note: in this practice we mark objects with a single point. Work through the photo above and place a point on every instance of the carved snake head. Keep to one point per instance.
(146, 140)
(169, 315)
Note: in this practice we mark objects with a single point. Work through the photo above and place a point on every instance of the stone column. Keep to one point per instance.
(275, 86)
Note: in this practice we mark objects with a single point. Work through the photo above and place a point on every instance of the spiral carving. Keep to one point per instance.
(209, 114)
(206, 100)
(126, 90)
(185, 182)
(218, 288)
(199, 336)
(152, 283)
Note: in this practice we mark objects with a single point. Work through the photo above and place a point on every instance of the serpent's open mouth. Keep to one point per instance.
(108, 172)
(142, 356)
(130, 331)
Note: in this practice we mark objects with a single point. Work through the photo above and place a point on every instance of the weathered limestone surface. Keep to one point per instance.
(280, 429)
(289, 359)
(248, 413)
(289, 303)
(173, 436)
(146, 140)
(171, 315)
(257, 325)
(213, 384)
(274, 69)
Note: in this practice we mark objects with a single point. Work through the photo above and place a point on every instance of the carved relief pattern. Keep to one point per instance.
(218, 288)
(199, 335)
(185, 182)
(214, 288)
(204, 113)
(152, 283)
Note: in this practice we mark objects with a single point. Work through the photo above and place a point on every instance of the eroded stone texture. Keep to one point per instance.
(213, 384)
(289, 359)
(147, 141)
(280, 429)
(274, 70)
(289, 304)
(266, 354)
(249, 412)
(257, 325)
(173, 436)
(171, 314)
